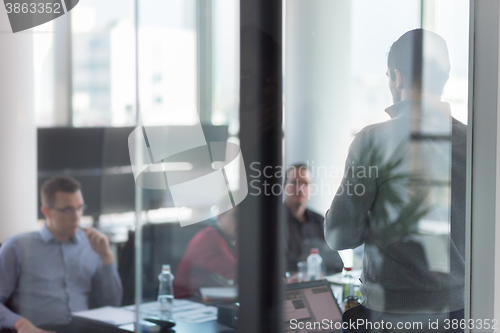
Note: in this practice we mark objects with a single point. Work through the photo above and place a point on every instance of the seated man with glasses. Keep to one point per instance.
(48, 274)
(304, 228)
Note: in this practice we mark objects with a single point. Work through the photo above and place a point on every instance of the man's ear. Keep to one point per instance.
(45, 211)
(399, 79)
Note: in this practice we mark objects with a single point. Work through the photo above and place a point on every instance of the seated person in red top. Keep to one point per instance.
(211, 257)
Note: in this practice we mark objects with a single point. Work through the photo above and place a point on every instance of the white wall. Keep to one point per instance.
(18, 169)
(317, 73)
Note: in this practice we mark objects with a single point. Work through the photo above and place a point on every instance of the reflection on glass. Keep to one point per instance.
(403, 193)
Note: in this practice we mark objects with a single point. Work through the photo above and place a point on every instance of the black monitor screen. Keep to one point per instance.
(69, 148)
(91, 154)
(115, 146)
(118, 193)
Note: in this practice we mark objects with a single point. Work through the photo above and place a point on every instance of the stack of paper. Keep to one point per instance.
(184, 310)
(219, 293)
(108, 314)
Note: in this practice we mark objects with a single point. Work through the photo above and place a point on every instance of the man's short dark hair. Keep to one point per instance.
(57, 184)
(297, 166)
(422, 58)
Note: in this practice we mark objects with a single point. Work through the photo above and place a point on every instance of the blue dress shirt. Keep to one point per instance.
(45, 280)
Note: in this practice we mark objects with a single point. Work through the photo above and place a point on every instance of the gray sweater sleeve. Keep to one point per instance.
(346, 220)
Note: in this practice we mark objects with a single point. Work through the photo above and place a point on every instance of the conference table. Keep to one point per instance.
(84, 325)
(190, 317)
(81, 325)
(87, 324)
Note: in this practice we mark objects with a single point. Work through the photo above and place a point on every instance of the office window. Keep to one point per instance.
(43, 48)
(450, 20)
(225, 64)
(167, 63)
(102, 51)
(102, 67)
(375, 25)
(374, 34)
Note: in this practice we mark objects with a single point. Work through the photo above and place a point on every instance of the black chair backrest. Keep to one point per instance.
(161, 244)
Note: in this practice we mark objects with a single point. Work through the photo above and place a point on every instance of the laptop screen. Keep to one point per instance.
(311, 307)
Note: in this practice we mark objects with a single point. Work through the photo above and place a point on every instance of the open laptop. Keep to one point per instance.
(311, 307)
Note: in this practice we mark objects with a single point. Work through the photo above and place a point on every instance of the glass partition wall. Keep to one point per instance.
(187, 161)
(256, 119)
(376, 113)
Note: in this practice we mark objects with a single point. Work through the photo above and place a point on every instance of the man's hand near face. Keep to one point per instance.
(23, 325)
(100, 244)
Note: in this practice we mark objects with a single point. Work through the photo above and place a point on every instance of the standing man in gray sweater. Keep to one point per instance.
(403, 196)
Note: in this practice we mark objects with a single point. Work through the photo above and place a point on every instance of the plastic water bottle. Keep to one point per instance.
(314, 266)
(349, 295)
(166, 293)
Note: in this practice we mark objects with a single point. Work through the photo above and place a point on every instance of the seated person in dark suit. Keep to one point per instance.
(211, 257)
(304, 228)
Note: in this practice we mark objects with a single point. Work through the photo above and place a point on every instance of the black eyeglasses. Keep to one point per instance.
(71, 210)
(298, 183)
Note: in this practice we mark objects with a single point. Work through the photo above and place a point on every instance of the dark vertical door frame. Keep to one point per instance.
(483, 150)
(261, 132)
